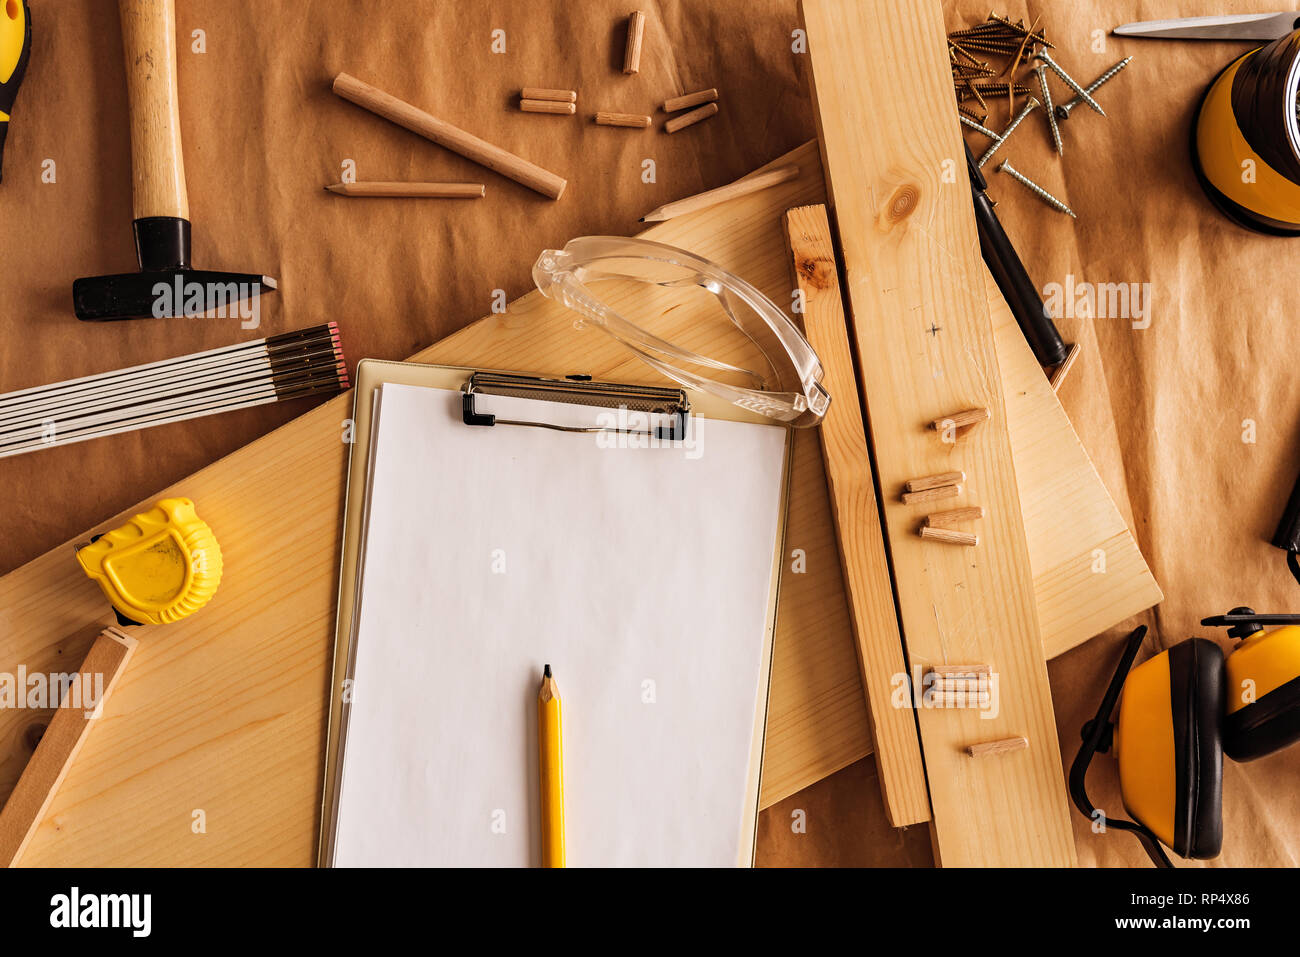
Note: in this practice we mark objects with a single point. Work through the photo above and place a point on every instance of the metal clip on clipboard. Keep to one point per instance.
(579, 390)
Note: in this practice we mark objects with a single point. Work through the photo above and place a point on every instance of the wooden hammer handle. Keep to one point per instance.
(157, 165)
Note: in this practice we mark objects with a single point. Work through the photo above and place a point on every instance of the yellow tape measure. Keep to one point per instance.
(157, 568)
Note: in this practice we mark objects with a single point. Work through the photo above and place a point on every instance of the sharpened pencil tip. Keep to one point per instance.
(546, 672)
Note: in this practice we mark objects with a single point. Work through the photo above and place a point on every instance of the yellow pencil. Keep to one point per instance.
(551, 766)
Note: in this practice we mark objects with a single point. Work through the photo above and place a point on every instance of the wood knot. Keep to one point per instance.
(816, 271)
(901, 204)
(33, 734)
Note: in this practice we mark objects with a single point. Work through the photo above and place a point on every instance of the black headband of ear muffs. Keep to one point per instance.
(1097, 735)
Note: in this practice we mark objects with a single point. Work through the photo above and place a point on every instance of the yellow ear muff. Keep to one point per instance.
(1263, 694)
(1169, 742)
(1245, 141)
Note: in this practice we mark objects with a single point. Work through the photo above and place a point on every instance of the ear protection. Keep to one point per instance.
(1246, 139)
(1179, 713)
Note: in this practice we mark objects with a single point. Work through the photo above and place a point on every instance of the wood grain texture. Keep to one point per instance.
(867, 580)
(741, 187)
(448, 136)
(81, 708)
(925, 346)
(1088, 571)
(234, 702)
(157, 160)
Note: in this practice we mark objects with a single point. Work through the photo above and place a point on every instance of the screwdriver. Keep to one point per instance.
(1009, 272)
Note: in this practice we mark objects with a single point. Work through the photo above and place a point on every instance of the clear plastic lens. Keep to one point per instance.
(622, 286)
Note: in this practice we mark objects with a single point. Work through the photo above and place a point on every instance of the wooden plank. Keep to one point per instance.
(925, 348)
(861, 539)
(244, 744)
(1088, 571)
(82, 705)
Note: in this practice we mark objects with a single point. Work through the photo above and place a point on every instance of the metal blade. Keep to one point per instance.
(1245, 26)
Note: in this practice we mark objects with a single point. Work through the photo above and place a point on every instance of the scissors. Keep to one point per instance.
(1243, 26)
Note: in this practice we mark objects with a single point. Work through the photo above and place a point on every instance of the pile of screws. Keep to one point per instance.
(977, 81)
(975, 78)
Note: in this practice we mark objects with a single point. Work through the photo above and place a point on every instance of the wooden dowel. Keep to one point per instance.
(935, 481)
(448, 136)
(955, 516)
(688, 100)
(636, 120)
(30, 799)
(635, 35)
(949, 536)
(426, 190)
(541, 93)
(691, 118)
(931, 495)
(548, 106)
(741, 187)
(960, 671)
(957, 699)
(968, 684)
(960, 420)
(1002, 746)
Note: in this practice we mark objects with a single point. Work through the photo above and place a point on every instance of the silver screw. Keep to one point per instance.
(1063, 111)
(977, 127)
(1030, 105)
(1041, 72)
(1034, 188)
(1068, 81)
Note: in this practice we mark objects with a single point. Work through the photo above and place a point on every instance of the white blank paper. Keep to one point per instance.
(642, 575)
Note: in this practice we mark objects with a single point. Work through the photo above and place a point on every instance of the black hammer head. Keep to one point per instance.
(166, 286)
(167, 293)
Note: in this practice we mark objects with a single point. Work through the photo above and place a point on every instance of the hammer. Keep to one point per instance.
(166, 285)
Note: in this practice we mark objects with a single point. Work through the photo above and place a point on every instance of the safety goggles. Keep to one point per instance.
(788, 390)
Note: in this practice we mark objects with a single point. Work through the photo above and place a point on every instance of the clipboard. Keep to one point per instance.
(669, 409)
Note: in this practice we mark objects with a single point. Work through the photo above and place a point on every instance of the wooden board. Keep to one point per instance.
(1088, 571)
(868, 583)
(82, 706)
(233, 701)
(925, 349)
